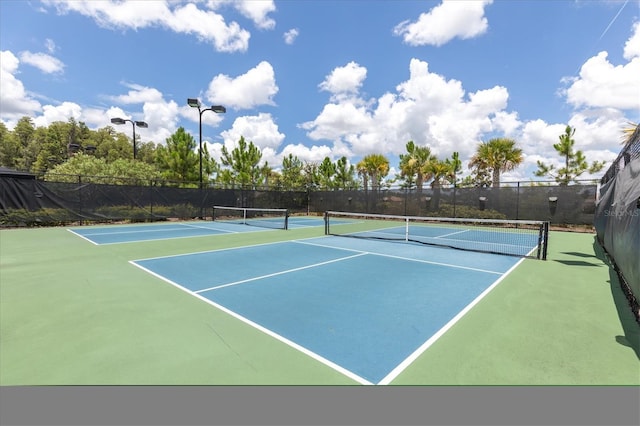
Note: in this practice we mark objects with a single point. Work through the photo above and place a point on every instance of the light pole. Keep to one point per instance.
(133, 125)
(195, 103)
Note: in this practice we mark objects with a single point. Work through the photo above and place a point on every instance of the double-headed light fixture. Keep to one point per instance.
(133, 125)
(219, 109)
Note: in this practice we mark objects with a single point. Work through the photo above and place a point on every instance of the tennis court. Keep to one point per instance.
(112, 234)
(207, 302)
(362, 309)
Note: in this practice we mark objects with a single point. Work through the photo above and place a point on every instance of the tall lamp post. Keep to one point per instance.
(133, 125)
(219, 109)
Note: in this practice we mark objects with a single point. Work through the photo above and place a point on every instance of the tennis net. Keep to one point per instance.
(510, 237)
(263, 217)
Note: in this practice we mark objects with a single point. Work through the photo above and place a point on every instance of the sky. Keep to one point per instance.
(318, 78)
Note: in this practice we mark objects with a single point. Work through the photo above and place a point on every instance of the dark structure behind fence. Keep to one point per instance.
(617, 219)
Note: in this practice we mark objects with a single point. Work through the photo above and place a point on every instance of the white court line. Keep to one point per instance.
(239, 248)
(452, 233)
(449, 265)
(212, 251)
(163, 230)
(169, 228)
(411, 358)
(280, 273)
(426, 239)
(208, 228)
(398, 369)
(132, 231)
(154, 239)
(83, 237)
(268, 332)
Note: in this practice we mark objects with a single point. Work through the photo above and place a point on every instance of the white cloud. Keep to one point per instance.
(427, 108)
(207, 25)
(259, 129)
(488, 101)
(96, 118)
(15, 102)
(138, 94)
(162, 117)
(597, 134)
(599, 129)
(432, 110)
(429, 90)
(632, 46)
(254, 88)
(339, 120)
(313, 154)
(257, 11)
(291, 35)
(506, 122)
(602, 84)
(345, 80)
(443, 23)
(62, 112)
(44, 62)
(160, 114)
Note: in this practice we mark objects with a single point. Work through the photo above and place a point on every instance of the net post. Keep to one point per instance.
(286, 219)
(540, 243)
(545, 240)
(213, 213)
(326, 223)
(406, 229)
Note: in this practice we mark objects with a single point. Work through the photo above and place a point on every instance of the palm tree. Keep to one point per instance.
(361, 168)
(439, 171)
(375, 167)
(455, 165)
(498, 155)
(414, 164)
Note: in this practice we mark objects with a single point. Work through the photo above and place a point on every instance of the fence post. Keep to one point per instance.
(406, 194)
(454, 199)
(518, 200)
(80, 196)
(151, 199)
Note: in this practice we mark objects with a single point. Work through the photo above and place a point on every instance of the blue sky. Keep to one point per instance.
(320, 78)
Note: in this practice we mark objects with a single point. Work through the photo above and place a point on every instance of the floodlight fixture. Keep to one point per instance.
(193, 102)
(143, 124)
(219, 109)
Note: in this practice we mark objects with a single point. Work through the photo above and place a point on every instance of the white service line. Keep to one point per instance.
(280, 273)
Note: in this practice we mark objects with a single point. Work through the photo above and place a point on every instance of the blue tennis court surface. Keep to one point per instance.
(364, 308)
(146, 232)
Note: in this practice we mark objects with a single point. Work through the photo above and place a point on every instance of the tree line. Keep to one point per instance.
(71, 149)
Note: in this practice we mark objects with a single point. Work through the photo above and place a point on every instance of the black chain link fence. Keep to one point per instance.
(617, 220)
(561, 205)
(83, 199)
